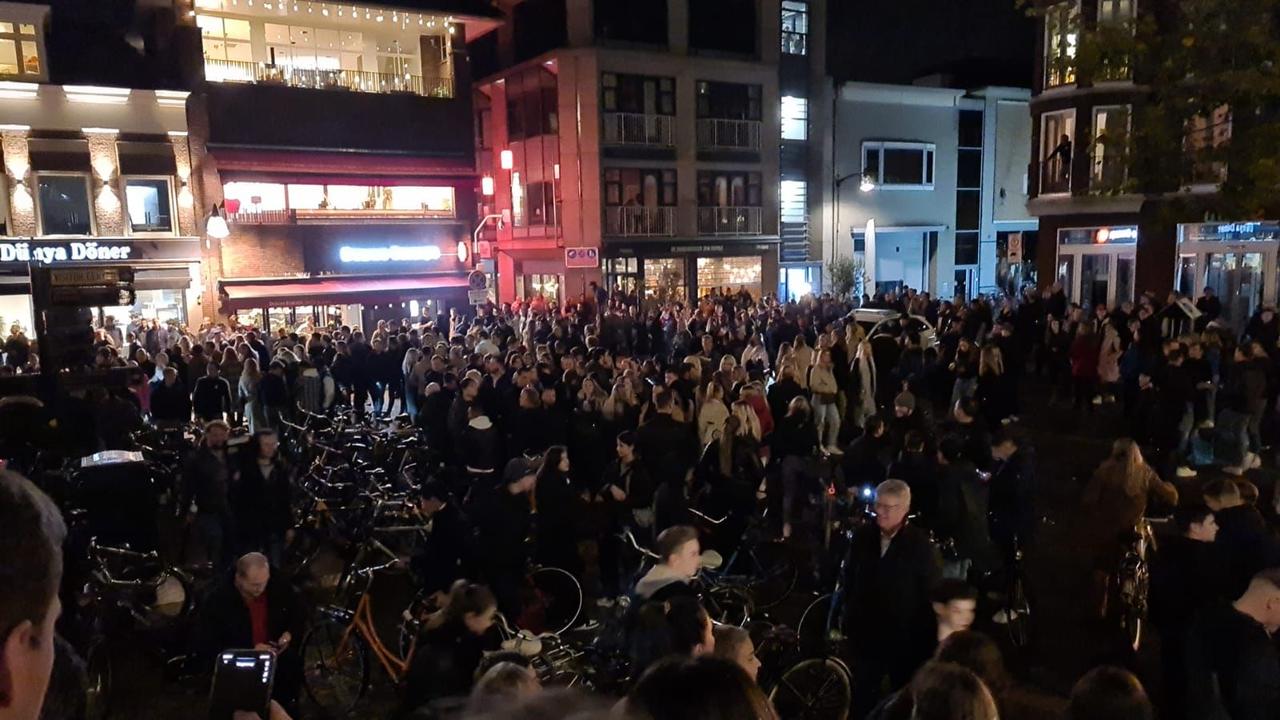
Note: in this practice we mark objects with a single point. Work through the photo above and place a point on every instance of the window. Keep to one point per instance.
(644, 188)
(795, 27)
(517, 200)
(1115, 11)
(729, 189)
(633, 21)
(967, 247)
(225, 39)
(1061, 38)
(1204, 142)
(256, 197)
(723, 26)
(622, 274)
(793, 198)
(19, 49)
(1057, 133)
(1115, 16)
(149, 203)
(318, 49)
(664, 279)
(728, 101)
(532, 106)
(541, 201)
(63, 204)
(795, 118)
(1110, 146)
(899, 164)
(638, 94)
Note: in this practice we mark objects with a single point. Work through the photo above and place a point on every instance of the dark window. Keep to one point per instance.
(723, 26)
(871, 163)
(729, 189)
(903, 167)
(539, 26)
(970, 128)
(64, 205)
(637, 187)
(967, 204)
(728, 101)
(639, 21)
(969, 169)
(967, 248)
(147, 205)
(638, 94)
(532, 105)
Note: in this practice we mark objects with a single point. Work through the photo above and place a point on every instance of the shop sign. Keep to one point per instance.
(391, 253)
(581, 257)
(1014, 252)
(478, 297)
(49, 253)
(1233, 232)
(1099, 236)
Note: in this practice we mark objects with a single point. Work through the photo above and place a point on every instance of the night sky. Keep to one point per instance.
(983, 42)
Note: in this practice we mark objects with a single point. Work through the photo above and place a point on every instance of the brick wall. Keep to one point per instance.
(261, 251)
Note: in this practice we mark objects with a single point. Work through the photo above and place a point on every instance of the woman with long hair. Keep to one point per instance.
(712, 414)
(557, 502)
(1122, 486)
(450, 650)
(994, 390)
(621, 408)
(247, 391)
(864, 379)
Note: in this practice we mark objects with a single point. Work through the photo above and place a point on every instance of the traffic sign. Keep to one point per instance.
(581, 257)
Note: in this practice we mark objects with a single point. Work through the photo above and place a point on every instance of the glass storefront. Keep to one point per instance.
(544, 284)
(1096, 264)
(665, 279)
(1237, 260)
(729, 273)
(622, 274)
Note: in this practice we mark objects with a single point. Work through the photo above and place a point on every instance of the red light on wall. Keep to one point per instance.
(506, 159)
(486, 186)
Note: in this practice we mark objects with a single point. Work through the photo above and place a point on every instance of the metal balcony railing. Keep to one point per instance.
(317, 79)
(639, 220)
(1055, 176)
(729, 221)
(261, 217)
(715, 133)
(639, 129)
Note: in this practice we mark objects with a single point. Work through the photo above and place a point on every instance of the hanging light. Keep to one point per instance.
(486, 186)
(867, 185)
(507, 159)
(216, 226)
(462, 251)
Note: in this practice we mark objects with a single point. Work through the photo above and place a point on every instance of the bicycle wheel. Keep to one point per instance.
(811, 631)
(773, 574)
(813, 689)
(729, 605)
(552, 601)
(335, 672)
(1019, 614)
(98, 674)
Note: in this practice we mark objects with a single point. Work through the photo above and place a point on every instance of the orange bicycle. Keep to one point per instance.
(336, 651)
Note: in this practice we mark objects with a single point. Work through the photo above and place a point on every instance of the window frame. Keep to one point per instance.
(928, 163)
(20, 39)
(801, 119)
(754, 105)
(610, 93)
(797, 9)
(39, 204)
(1068, 15)
(608, 183)
(173, 206)
(751, 186)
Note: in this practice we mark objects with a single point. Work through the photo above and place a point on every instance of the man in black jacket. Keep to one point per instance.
(669, 449)
(1232, 666)
(447, 555)
(1244, 545)
(206, 479)
(892, 569)
(211, 396)
(251, 609)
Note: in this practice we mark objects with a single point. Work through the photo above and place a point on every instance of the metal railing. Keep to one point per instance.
(729, 221)
(794, 43)
(318, 79)
(636, 220)
(639, 129)
(1055, 176)
(261, 217)
(715, 133)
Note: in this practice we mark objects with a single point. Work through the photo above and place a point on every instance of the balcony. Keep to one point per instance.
(1055, 176)
(729, 221)
(261, 217)
(640, 129)
(318, 79)
(718, 134)
(1108, 173)
(640, 221)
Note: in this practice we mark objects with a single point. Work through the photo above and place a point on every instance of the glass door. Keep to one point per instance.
(1236, 278)
(1067, 276)
(1186, 282)
(1124, 279)
(1095, 279)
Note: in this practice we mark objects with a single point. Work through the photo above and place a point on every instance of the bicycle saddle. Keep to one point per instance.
(710, 559)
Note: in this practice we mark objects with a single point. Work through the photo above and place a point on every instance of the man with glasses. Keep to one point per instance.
(892, 571)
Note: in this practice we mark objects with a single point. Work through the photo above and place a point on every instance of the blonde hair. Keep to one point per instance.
(991, 362)
(749, 422)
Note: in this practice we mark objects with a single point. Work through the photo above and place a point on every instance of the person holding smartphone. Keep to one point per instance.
(251, 609)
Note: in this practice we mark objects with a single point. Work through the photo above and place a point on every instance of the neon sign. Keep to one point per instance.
(392, 253)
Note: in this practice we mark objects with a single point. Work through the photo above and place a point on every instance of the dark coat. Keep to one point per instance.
(1232, 668)
(261, 506)
(224, 618)
(170, 404)
(1244, 546)
(669, 448)
(444, 663)
(448, 553)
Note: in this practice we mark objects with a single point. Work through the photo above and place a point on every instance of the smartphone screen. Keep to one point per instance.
(242, 680)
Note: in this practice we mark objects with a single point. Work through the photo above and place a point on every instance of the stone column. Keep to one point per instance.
(107, 206)
(186, 198)
(17, 163)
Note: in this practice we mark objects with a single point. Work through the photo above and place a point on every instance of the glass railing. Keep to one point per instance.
(729, 221)
(321, 79)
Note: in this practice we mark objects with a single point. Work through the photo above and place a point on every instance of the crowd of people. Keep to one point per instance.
(555, 429)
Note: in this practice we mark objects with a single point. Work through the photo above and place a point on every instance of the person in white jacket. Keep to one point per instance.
(755, 358)
(804, 358)
(826, 407)
(864, 384)
(713, 413)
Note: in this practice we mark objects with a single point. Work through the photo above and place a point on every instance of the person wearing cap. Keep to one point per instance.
(446, 555)
(907, 416)
(503, 515)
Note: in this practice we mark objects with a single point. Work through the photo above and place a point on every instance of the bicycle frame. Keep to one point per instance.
(361, 623)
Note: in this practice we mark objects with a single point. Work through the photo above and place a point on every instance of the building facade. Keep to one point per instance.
(640, 145)
(336, 141)
(930, 187)
(93, 175)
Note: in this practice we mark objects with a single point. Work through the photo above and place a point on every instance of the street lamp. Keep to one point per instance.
(216, 226)
(865, 184)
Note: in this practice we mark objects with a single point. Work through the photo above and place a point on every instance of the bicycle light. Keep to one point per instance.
(868, 492)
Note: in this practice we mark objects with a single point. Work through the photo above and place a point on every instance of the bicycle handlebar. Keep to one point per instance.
(630, 539)
(708, 518)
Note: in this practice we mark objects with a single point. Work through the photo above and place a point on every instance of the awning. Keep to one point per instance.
(339, 168)
(337, 291)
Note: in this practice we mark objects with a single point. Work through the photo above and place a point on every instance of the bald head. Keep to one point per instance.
(1261, 601)
(253, 572)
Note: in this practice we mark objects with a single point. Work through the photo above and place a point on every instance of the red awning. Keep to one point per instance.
(335, 291)
(339, 168)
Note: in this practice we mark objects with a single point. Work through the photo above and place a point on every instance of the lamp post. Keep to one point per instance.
(865, 185)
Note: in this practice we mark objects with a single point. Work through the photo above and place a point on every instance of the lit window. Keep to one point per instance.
(793, 197)
(795, 118)
(1062, 37)
(19, 49)
(795, 27)
(254, 197)
(1110, 144)
(149, 204)
(1115, 11)
(906, 165)
(63, 204)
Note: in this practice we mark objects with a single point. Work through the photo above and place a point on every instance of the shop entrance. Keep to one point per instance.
(1236, 260)
(1096, 265)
